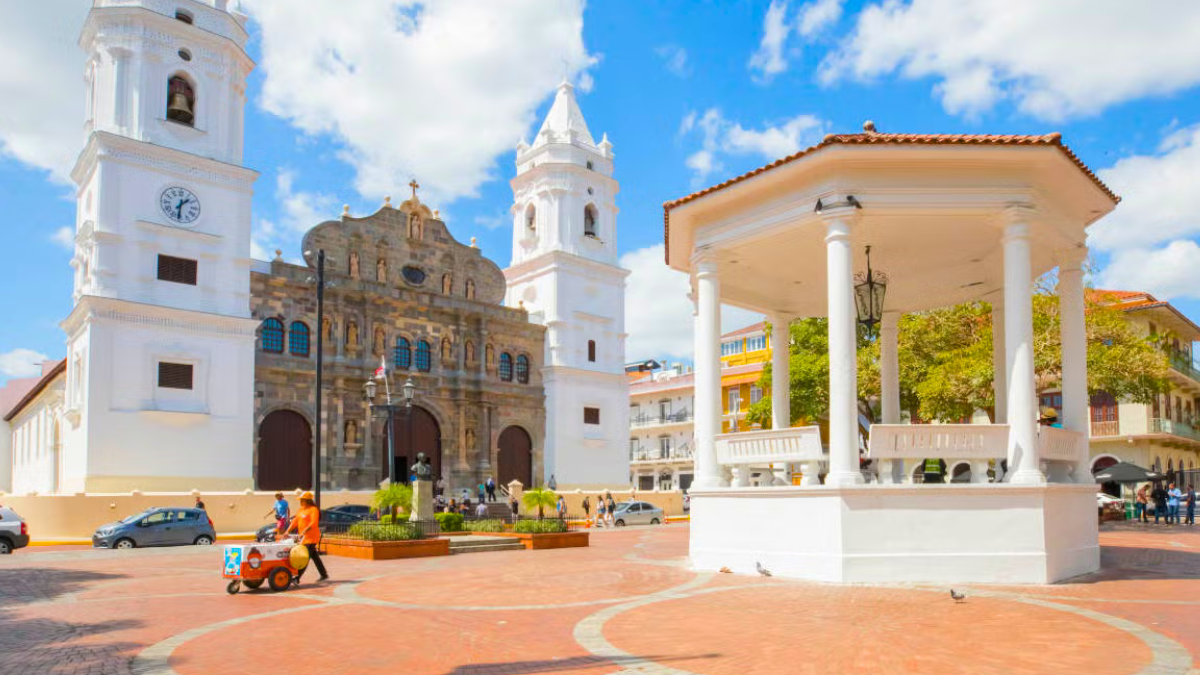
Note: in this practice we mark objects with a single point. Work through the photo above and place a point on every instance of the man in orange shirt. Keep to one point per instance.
(307, 524)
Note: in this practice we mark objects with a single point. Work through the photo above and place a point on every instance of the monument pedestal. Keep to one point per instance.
(422, 501)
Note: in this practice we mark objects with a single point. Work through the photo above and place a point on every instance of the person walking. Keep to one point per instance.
(1141, 504)
(552, 484)
(1189, 501)
(562, 507)
(611, 507)
(308, 525)
(601, 509)
(439, 488)
(282, 513)
(587, 510)
(481, 511)
(481, 491)
(1159, 496)
(200, 503)
(1174, 494)
(490, 486)
(515, 507)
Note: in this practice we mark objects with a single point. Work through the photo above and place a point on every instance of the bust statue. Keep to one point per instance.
(422, 470)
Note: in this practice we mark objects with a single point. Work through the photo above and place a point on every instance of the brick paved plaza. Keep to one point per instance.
(627, 603)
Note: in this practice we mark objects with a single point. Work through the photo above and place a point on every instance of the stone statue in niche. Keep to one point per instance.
(445, 349)
(447, 284)
(470, 291)
(353, 265)
(381, 271)
(327, 330)
(379, 340)
(351, 334)
(351, 433)
(470, 439)
(414, 225)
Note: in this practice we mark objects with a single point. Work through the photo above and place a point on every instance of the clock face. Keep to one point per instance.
(179, 205)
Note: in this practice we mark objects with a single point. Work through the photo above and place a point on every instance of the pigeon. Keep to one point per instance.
(958, 597)
(762, 570)
(725, 570)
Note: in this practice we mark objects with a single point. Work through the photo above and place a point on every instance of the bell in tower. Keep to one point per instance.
(181, 101)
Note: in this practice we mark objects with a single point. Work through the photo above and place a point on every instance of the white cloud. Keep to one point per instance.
(299, 212)
(41, 83)
(769, 60)
(433, 90)
(1055, 60)
(64, 237)
(723, 137)
(658, 313)
(816, 16)
(1167, 272)
(676, 59)
(494, 222)
(21, 363)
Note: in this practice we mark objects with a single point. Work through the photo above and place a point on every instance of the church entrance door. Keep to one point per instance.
(515, 461)
(284, 451)
(426, 437)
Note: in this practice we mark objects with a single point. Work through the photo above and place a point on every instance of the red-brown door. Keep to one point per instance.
(424, 436)
(284, 452)
(516, 457)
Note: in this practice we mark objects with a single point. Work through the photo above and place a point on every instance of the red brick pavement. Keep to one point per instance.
(628, 600)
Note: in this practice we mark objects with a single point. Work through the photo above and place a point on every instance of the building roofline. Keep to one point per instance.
(38, 388)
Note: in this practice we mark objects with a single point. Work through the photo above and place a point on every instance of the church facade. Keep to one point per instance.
(401, 292)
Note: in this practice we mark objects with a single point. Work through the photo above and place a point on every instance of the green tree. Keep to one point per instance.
(392, 498)
(539, 498)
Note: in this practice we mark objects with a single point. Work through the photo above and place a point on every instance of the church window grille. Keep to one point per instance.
(592, 351)
(590, 228)
(506, 367)
(523, 369)
(298, 339)
(181, 101)
(403, 354)
(177, 270)
(174, 375)
(590, 166)
(591, 416)
(272, 336)
(413, 275)
(424, 361)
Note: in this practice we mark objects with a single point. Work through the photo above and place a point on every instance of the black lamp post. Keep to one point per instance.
(869, 290)
(320, 280)
(388, 411)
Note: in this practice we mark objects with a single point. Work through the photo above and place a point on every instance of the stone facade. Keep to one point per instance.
(399, 274)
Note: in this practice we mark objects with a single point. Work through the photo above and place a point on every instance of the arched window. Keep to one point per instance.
(523, 369)
(470, 289)
(272, 336)
(447, 284)
(592, 351)
(531, 218)
(506, 369)
(402, 355)
(298, 339)
(423, 356)
(469, 348)
(181, 100)
(591, 228)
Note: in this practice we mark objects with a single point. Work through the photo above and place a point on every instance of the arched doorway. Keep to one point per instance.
(1103, 462)
(422, 435)
(961, 473)
(515, 461)
(284, 451)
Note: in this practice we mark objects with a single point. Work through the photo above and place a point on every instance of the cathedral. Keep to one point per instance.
(190, 365)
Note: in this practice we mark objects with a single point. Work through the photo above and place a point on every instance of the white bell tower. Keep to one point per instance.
(160, 373)
(564, 272)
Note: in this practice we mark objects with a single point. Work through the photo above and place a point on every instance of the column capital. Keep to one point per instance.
(704, 261)
(1072, 259)
(890, 319)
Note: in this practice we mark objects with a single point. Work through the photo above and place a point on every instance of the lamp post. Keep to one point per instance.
(869, 291)
(320, 281)
(388, 410)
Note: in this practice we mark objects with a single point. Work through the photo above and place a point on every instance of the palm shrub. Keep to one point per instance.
(371, 531)
(396, 496)
(551, 526)
(449, 522)
(539, 498)
(487, 525)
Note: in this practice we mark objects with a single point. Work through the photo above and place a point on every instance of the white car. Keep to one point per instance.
(637, 513)
(1103, 500)
(14, 533)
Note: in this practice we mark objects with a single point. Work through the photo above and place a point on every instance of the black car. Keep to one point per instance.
(361, 510)
(332, 522)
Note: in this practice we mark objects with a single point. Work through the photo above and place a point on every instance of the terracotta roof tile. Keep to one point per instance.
(873, 138)
(42, 383)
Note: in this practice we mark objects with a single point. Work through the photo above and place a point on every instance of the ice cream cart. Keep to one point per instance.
(276, 563)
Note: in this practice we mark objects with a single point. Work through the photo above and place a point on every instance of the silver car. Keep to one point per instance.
(637, 513)
(162, 526)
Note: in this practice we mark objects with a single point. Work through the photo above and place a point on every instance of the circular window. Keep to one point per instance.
(185, 55)
(413, 275)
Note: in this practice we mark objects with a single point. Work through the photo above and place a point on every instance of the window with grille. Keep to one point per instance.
(402, 357)
(756, 343)
(423, 356)
(174, 375)
(591, 416)
(506, 367)
(731, 348)
(592, 351)
(176, 270)
(272, 336)
(523, 369)
(298, 339)
(1104, 407)
(756, 394)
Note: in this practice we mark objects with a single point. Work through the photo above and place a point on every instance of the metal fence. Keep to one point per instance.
(376, 530)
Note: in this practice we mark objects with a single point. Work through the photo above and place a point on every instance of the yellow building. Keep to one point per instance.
(744, 354)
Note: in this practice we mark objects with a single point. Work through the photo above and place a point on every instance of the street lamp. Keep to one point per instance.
(321, 284)
(869, 290)
(388, 411)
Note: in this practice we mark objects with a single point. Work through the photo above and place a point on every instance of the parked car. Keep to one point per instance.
(332, 521)
(14, 533)
(1103, 500)
(161, 526)
(360, 510)
(637, 513)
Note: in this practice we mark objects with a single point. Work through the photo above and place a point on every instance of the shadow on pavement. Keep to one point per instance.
(560, 665)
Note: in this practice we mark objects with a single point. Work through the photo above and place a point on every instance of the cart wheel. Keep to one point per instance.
(233, 587)
(252, 584)
(279, 579)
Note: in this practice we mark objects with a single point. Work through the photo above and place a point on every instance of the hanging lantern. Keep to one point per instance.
(869, 290)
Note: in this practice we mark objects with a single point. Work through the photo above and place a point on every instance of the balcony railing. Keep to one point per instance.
(653, 420)
(1166, 426)
(1109, 428)
(1182, 362)
(683, 452)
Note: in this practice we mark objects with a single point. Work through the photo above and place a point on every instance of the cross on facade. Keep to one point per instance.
(414, 185)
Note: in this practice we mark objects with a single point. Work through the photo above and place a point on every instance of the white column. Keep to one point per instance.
(120, 89)
(843, 361)
(708, 373)
(889, 386)
(1023, 461)
(1000, 372)
(781, 382)
(1073, 334)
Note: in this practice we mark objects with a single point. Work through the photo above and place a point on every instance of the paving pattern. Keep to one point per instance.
(627, 604)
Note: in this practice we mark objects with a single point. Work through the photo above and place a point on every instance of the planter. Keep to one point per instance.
(537, 542)
(387, 550)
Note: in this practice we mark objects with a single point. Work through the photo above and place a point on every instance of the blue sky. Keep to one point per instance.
(690, 93)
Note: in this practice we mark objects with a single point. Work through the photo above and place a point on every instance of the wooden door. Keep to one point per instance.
(516, 457)
(284, 452)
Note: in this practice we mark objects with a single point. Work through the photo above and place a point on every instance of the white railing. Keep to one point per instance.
(974, 443)
(798, 444)
(1060, 445)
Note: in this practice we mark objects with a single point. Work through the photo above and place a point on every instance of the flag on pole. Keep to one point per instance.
(381, 371)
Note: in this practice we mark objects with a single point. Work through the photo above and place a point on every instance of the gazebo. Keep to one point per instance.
(948, 219)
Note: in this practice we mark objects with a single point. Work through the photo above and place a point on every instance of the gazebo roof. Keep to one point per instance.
(870, 137)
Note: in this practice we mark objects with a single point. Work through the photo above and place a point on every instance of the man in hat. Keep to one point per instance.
(1049, 418)
(308, 525)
